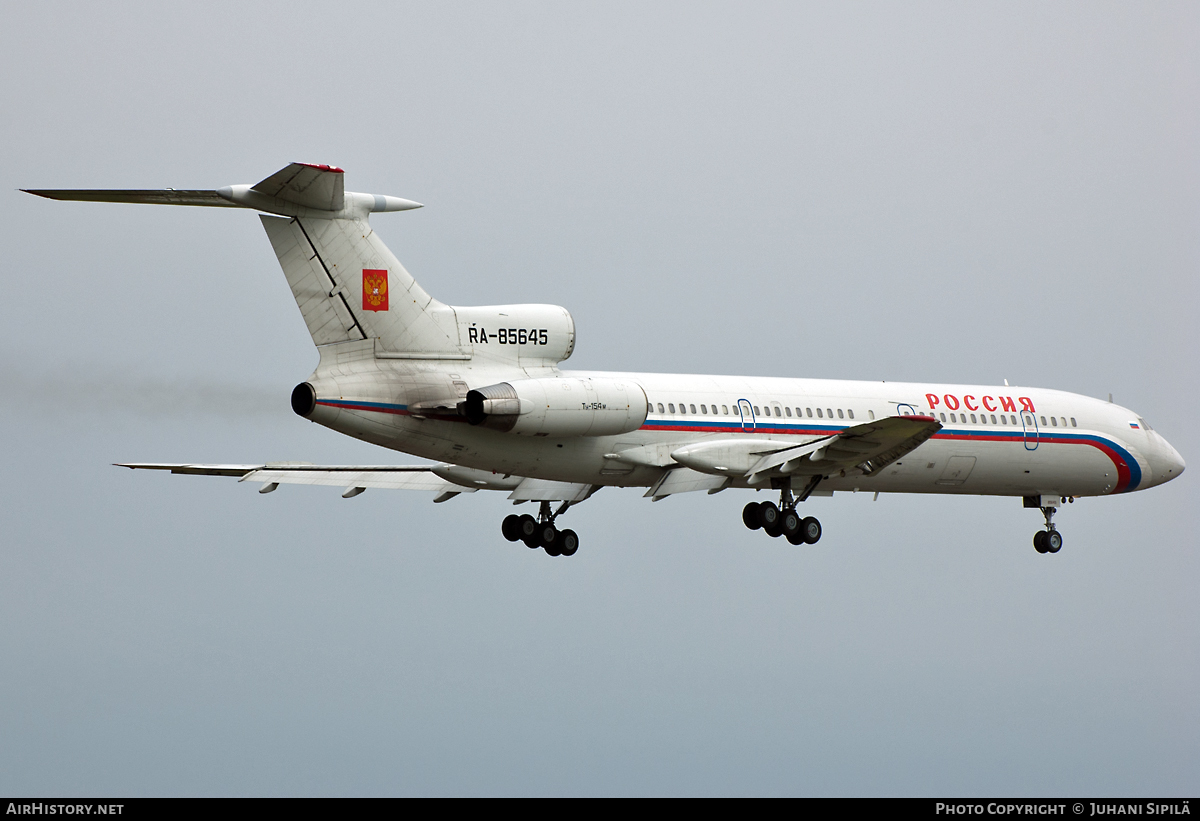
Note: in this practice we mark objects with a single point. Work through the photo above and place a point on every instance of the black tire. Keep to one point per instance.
(1053, 541)
(568, 542)
(790, 524)
(1039, 541)
(511, 527)
(547, 535)
(810, 529)
(750, 516)
(768, 517)
(797, 539)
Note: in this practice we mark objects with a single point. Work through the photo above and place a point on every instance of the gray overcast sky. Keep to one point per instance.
(925, 191)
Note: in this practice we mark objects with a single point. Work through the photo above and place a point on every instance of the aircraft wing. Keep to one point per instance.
(357, 478)
(868, 447)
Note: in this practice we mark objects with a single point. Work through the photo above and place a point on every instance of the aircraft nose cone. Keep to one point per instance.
(1173, 463)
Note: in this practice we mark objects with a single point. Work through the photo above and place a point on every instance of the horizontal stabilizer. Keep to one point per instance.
(162, 196)
(299, 190)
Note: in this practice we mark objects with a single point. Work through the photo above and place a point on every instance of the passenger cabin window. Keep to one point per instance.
(725, 409)
(756, 413)
(788, 411)
(943, 417)
(1073, 422)
(819, 414)
(693, 408)
(704, 409)
(830, 412)
(1043, 421)
(809, 410)
(671, 405)
(1053, 422)
(660, 407)
(851, 413)
(973, 419)
(840, 414)
(871, 414)
(777, 413)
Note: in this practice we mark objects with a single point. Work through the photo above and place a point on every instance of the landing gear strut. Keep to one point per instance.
(782, 519)
(541, 532)
(1048, 540)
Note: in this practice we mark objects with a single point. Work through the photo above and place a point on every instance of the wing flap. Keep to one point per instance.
(383, 479)
(684, 480)
(545, 490)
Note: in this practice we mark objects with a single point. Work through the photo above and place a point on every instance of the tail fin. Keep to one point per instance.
(346, 282)
(349, 286)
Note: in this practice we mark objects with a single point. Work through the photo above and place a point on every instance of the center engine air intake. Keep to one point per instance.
(304, 399)
(567, 406)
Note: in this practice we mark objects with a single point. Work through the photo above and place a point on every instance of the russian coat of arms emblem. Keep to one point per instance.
(375, 289)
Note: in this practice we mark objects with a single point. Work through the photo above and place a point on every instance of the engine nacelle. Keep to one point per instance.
(566, 406)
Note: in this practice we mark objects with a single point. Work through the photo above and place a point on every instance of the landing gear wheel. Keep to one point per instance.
(810, 529)
(528, 529)
(750, 516)
(568, 543)
(796, 539)
(1052, 541)
(769, 518)
(548, 538)
(1039, 541)
(790, 523)
(511, 527)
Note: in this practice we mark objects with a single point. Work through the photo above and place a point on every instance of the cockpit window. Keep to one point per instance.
(1144, 425)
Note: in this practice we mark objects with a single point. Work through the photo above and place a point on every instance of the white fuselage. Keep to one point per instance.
(1004, 441)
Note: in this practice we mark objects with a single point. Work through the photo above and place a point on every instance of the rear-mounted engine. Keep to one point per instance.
(558, 407)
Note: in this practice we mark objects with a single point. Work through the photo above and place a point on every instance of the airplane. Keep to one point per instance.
(481, 391)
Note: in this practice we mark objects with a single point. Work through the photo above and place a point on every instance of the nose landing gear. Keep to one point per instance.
(782, 519)
(1048, 540)
(541, 532)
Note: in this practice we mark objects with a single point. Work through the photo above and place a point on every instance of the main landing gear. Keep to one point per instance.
(1048, 540)
(541, 532)
(782, 519)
